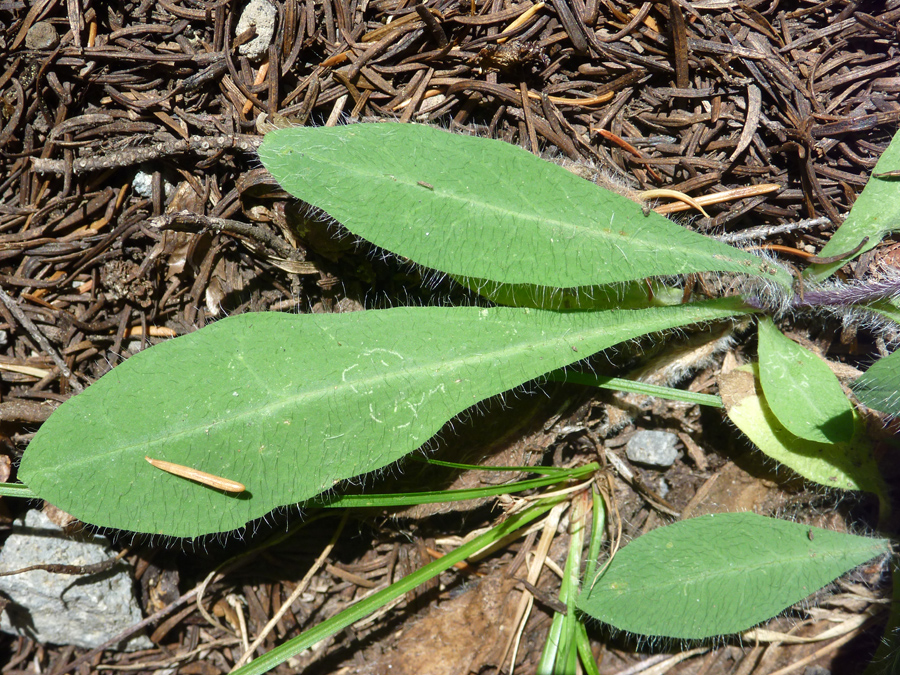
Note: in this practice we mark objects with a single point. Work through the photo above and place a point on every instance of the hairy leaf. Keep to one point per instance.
(485, 209)
(720, 574)
(801, 390)
(628, 295)
(289, 405)
(875, 213)
(879, 386)
(849, 466)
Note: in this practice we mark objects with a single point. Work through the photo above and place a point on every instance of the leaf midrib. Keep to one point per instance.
(327, 389)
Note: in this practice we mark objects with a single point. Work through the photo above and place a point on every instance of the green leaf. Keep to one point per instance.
(875, 213)
(628, 295)
(879, 386)
(801, 389)
(889, 309)
(720, 574)
(635, 387)
(485, 209)
(849, 466)
(289, 405)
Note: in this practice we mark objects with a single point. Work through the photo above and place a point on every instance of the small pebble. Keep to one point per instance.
(41, 35)
(262, 14)
(142, 184)
(663, 488)
(652, 448)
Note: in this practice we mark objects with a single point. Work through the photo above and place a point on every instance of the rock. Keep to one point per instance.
(652, 448)
(67, 609)
(259, 13)
(142, 184)
(41, 35)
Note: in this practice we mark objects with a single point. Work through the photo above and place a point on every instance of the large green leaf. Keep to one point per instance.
(801, 389)
(848, 466)
(879, 386)
(289, 405)
(874, 214)
(485, 209)
(720, 574)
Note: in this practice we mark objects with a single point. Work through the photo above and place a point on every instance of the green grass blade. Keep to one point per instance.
(620, 384)
(598, 529)
(485, 209)
(446, 496)
(16, 490)
(583, 642)
(374, 602)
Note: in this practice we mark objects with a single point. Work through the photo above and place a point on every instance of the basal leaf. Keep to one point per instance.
(875, 213)
(485, 209)
(801, 390)
(289, 405)
(719, 574)
(849, 466)
(879, 386)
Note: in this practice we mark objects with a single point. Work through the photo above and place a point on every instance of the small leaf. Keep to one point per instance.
(289, 405)
(848, 466)
(879, 386)
(875, 213)
(485, 209)
(889, 309)
(801, 389)
(719, 574)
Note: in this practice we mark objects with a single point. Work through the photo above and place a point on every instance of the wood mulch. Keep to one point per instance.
(115, 118)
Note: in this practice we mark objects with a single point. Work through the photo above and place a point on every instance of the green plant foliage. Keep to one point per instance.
(848, 466)
(363, 608)
(289, 405)
(879, 387)
(485, 209)
(889, 309)
(801, 390)
(719, 574)
(875, 213)
(628, 295)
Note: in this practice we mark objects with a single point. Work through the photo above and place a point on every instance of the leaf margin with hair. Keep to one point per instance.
(789, 373)
(874, 214)
(719, 574)
(486, 209)
(197, 400)
(847, 466)
(879, 387)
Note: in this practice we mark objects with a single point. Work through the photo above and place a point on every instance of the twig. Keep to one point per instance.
(185, 221)
(127, 633)
(304, 583)
(41, 339)
(764, 231)
(202, 145)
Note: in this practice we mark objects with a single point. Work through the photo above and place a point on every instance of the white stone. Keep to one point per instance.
(66, 609)
(259, 13)
(652, 448)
